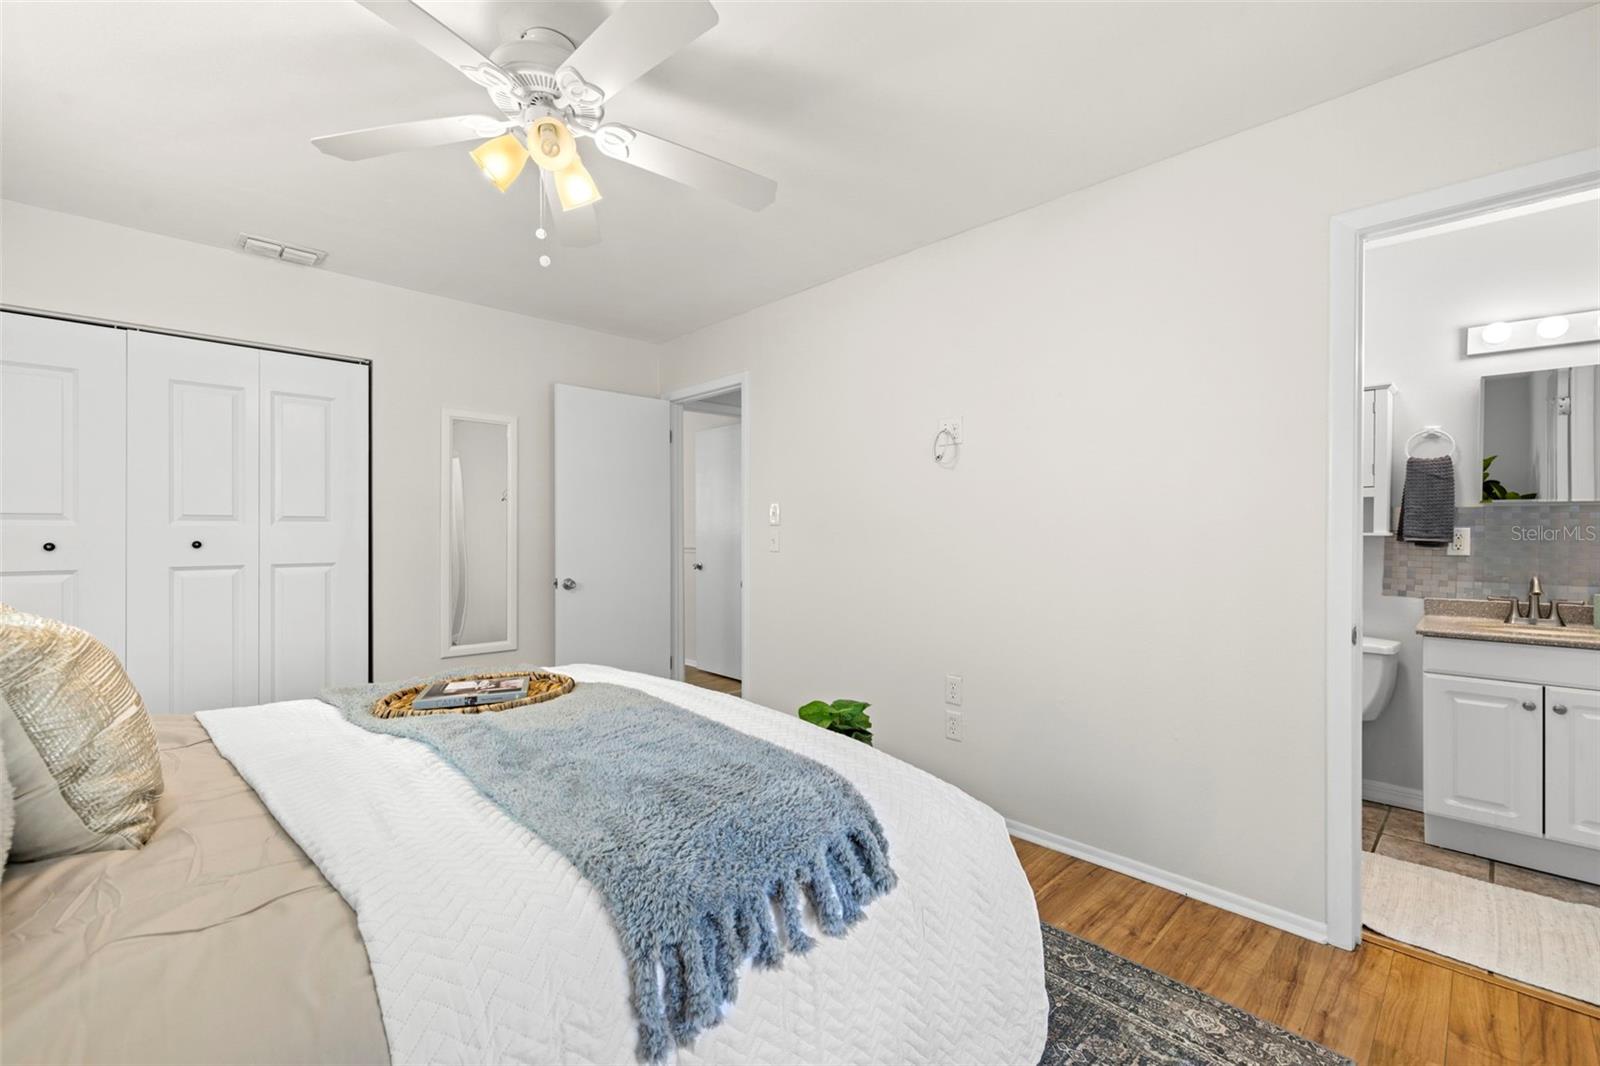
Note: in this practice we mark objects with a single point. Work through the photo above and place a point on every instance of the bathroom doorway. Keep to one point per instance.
(1465, 335)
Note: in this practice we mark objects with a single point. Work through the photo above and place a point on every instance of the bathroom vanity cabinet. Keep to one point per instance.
(1511, 753)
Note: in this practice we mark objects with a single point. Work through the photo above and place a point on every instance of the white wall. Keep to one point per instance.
(428, 353)
(1419, 296)
(693, 423)
(1127, 564)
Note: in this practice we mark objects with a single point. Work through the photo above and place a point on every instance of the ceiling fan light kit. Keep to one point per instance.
(501, 159)
(553, 93)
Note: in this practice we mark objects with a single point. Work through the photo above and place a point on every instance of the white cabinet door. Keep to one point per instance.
(1483, 751)
(193, 528)
(1572, 766)
(313, 525)
(62, 473)
(613, 530)
(718, 498)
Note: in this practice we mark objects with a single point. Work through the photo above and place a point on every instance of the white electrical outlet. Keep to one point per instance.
(952, 689)
(952, 726)
(951, 426)
(772, 541)
(772, 514)
(1461, 543)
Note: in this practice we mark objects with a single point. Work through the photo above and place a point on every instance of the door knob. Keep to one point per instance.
(1529, 705)
(699, 566)
(568, 584)
(194, 544)
(1559, 708)
(49, 545)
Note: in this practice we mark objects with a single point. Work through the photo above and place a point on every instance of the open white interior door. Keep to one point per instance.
(613, 530)
(718, 498)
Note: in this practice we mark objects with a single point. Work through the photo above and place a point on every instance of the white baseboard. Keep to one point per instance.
(1255, 910)
(691, 662)
(1393, 795)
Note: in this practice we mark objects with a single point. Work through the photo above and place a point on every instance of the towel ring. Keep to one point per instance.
(1429, 431)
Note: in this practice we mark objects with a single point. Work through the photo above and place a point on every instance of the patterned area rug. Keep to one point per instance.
(1106, 1011)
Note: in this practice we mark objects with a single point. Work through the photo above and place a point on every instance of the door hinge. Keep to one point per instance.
(1354, 640)
(669, 436)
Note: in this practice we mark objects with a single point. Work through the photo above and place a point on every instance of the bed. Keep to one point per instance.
(314, 892)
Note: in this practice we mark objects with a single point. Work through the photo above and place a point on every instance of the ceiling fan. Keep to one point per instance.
(549, 94)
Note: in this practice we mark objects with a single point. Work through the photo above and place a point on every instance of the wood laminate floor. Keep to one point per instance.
(714, 682)
(1386, 1002)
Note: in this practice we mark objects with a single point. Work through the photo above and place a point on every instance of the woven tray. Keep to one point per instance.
(541, 687)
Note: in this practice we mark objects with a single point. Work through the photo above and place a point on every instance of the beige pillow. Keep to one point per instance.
(80, 752)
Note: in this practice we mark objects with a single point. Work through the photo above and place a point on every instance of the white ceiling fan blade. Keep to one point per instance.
(637, 37)
(405, 136)
(687, 166)
(578, 228)
(439, 39)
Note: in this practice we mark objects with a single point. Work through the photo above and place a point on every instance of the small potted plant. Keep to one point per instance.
(841, 716)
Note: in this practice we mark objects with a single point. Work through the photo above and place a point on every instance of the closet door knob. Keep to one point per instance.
(1529, 705)
(49, 545)
(1559, 708)
(194, 544)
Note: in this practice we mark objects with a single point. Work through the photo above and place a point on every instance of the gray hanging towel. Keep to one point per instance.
(1428, 501)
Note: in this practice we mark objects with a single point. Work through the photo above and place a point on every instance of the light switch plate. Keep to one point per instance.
(1461, 544)
(772, 514)
(772, 541)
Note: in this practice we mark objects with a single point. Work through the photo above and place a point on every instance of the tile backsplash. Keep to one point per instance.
(1510, 543)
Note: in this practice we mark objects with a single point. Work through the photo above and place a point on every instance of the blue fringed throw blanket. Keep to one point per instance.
(694, 833)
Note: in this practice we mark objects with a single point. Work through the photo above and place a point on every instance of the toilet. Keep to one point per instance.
(1380, 665)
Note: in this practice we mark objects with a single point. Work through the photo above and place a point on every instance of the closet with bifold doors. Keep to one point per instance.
(201, 507)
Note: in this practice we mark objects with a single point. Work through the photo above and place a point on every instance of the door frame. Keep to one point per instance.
(1348, 233)
(678, 398)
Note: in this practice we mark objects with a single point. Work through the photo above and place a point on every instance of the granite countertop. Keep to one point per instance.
(1482, 620)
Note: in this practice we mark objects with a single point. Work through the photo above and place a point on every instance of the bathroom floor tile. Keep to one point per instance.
(1428, 855)
(1372, 816)
(1403, 823)
(1546, 884)
(1369, 839)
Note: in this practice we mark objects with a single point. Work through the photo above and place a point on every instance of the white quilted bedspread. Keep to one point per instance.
(488, 947)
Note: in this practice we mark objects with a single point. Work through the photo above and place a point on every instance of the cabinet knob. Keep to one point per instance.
(1559, 708)
(1529, 705)
(49, 545)
(194, 544)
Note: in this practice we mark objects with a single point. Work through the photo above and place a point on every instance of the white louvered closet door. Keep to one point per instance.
(194, 542)
(62, 477)
(314, 571)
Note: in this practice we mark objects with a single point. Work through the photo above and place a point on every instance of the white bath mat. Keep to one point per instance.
(1521, 935)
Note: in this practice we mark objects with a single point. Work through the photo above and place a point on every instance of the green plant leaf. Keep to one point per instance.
(850, 705)
(817, 713)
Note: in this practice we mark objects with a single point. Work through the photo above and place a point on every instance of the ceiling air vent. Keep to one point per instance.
(277, 250)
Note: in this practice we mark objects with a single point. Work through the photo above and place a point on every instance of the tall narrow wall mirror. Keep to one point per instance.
(478, 533)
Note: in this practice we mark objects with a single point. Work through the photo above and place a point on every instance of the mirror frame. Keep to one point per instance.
(448, 418)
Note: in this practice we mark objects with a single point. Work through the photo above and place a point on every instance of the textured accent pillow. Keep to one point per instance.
(79, 748)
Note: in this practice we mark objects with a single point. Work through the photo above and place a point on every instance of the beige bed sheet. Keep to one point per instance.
(218, 942)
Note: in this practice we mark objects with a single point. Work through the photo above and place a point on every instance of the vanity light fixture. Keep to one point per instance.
(1553, 327)
(1579, 327)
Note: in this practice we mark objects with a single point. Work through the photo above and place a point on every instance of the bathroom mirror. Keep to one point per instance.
(478, 533)
(1541, 435)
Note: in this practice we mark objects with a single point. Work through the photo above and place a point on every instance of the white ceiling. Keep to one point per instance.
(887, 126)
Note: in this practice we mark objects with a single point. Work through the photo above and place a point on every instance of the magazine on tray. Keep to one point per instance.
(470, 692)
